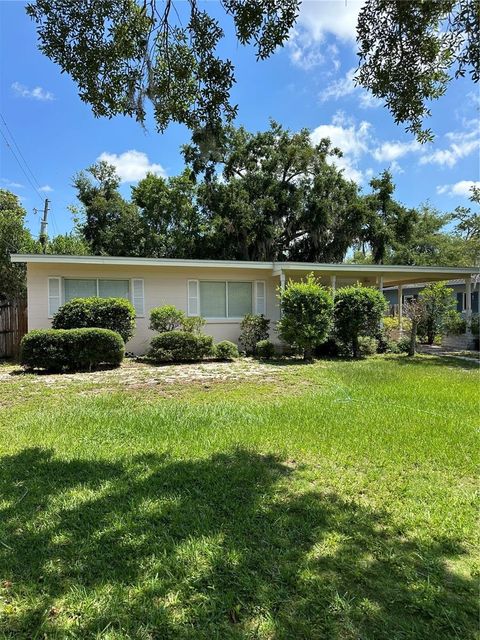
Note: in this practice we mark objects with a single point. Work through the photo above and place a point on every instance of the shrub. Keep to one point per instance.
(226, 350)
(116, 314)
(307, 309)
(265, 349)
(180, 346)
(328, 349)
(358, 312)
(438, 301)
(166, 318)
(391, 325)
(253, 329)
(475, 324)
(404, 345)
(193, 324)
(71, 349)
(367, 346)
(169, 318)
(454, 324)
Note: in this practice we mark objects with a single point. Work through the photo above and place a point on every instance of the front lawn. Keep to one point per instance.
(246, 500)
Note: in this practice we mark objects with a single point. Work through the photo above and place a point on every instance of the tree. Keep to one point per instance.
(307, 310)
(173, 225)
(14, 238)
(278, 197)
(67, 244)
(389, 225)
(358, 312)
(438, 301)
(122, 53)
(409, 50)
(414, 310)
(111, 225)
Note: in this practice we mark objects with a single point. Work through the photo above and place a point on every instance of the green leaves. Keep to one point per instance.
(121, 54)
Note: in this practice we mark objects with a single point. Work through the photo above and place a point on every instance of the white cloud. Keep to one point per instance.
(46, 188)
(463, 143)
(345, 86)
(391, 151)
(462, 188)
(316, 19)
(37, 93)
(132, 165)
(353, 140)
(9, 184)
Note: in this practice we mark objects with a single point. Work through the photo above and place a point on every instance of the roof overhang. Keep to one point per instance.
(392, 274)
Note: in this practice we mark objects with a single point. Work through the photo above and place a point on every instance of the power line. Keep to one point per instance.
(19, 151)
(21, 166)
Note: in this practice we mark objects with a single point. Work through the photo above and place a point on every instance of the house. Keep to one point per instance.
(458, 287)
(222, 291)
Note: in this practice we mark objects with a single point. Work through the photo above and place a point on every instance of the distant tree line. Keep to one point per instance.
(270, 195)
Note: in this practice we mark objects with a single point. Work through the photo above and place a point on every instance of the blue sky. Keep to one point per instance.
(306, 84)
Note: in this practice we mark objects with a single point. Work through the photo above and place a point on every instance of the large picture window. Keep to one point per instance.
(225, 299)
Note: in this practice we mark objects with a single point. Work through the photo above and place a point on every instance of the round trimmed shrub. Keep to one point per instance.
(226, 350)
(116, 314)
(71, 349)
(166, 318)
(265, 349)
(358, 312)
(307, 310)
(180, 346)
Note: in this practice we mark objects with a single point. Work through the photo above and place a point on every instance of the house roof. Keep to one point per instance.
(392, 274)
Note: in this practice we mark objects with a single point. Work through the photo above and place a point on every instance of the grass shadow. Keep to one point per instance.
(221, 547)
(432, 361)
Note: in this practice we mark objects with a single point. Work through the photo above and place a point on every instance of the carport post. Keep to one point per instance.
(400, 307)
(333, 283)
(468, 303)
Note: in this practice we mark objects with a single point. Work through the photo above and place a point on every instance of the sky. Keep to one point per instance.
(306, 84)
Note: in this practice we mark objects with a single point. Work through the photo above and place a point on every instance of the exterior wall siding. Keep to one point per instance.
(162, 285)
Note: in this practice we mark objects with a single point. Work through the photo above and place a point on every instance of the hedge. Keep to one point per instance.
(226, 350)
(180, 346)
(116, 314)
(71, 349)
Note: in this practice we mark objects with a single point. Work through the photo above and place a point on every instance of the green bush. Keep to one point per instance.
(180, 346)
(358, 312)
(403, 345)
(166, 318)
(307, 309)
(454, 324)
(226, 350)
(438, 301)
(265, 349)
(475, 324)
(253, 329)
(169, 318)
(116, 314)
(367, 346)
(71, 349)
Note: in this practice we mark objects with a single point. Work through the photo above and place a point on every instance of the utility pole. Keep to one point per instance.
(43, 226)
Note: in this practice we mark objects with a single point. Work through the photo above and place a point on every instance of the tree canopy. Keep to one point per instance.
(123, 54)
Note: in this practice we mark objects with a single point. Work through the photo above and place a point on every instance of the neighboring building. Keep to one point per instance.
(458, 287)
(222, 291)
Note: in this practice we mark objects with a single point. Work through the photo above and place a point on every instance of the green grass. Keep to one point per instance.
(334, 500)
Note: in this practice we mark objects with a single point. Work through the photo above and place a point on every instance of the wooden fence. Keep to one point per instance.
(13, 326)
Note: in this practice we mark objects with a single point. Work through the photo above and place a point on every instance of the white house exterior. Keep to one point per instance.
(222, 291)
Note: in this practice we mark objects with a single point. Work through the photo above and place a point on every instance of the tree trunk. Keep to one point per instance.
(307, 353)
(413, 338)
(355, 347)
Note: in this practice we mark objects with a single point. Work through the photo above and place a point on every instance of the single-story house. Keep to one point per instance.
(411, 291)
(222, 291)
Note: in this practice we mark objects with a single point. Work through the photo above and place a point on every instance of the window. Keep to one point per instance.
(92, 287)
(222, 299)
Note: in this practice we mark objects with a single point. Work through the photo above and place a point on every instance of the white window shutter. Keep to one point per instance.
(193, 301)
(138, 296)
(54, 296)
(260, 297)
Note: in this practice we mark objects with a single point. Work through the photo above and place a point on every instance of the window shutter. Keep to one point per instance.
(260, 297)
(54, 296)
(192, 306)
(138, 300)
